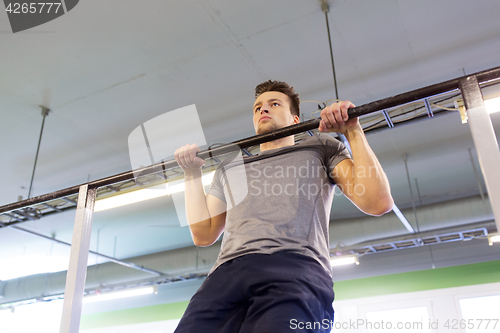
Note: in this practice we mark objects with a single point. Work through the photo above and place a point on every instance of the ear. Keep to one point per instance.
(296, 119)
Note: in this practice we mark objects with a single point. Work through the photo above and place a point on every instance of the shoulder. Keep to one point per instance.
(323, 140)
(331, 146)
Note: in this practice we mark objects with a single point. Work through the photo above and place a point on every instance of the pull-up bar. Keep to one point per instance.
(357, 111)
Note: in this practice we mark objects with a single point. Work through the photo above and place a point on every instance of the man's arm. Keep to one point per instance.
(206, 214)
(362, 179)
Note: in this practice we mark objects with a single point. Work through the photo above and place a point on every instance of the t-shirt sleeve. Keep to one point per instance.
(335, 152)
(216, 189)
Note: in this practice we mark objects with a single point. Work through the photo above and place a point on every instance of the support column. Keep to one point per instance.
(77, 270)
(485, 140)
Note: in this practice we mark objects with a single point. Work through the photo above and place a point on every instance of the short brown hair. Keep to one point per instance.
(284, 88)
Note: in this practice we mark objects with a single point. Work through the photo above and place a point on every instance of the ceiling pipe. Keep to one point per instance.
(45, 113)
(325, 8)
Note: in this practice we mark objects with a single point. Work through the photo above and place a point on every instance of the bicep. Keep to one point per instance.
(343, 176)
(217, 210)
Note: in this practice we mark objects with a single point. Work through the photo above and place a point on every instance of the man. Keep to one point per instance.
(273, 272)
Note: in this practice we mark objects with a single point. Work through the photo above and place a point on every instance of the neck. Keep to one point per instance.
(280, 143)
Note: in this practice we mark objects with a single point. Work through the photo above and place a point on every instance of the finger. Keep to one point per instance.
(322, 126)
(188, 155)
(343, 111)
(328, 117)
(182, 158)
(337, 114)
(347, 105)
(200, 161)
(197, 161)
(344, 108)
(177, 156)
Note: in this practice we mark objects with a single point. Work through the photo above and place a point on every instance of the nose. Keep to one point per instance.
(263, 110)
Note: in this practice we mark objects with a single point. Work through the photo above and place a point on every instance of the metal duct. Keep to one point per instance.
(192, 260)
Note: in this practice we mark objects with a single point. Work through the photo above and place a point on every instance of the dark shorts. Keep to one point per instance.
(255, 293)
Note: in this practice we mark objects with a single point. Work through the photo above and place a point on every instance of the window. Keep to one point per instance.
(480, 314)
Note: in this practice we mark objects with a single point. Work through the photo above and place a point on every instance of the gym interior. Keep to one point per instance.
(80, 90)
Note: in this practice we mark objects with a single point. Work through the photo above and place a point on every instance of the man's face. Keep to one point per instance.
(271, 111)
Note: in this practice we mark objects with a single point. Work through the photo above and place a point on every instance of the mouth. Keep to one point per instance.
(263, 118)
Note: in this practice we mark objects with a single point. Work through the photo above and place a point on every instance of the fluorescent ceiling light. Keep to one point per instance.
(120, 294)
(146, 194)
(344, 260)
(493, 239)
(492, 105)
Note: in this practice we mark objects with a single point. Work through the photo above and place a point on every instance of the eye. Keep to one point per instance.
(276, 104)
(257, 109)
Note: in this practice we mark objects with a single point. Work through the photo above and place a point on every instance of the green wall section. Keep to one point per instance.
(134, 316)
(448, 277)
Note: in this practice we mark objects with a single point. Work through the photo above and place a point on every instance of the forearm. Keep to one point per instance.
(370, 188)
(197, 213)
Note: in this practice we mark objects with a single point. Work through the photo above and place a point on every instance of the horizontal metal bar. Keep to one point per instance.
(421, 93)
(382, 104)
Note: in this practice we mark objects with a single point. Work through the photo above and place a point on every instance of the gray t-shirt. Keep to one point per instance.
(279, 200)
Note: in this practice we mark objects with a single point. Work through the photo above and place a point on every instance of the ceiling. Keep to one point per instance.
(106, 67)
